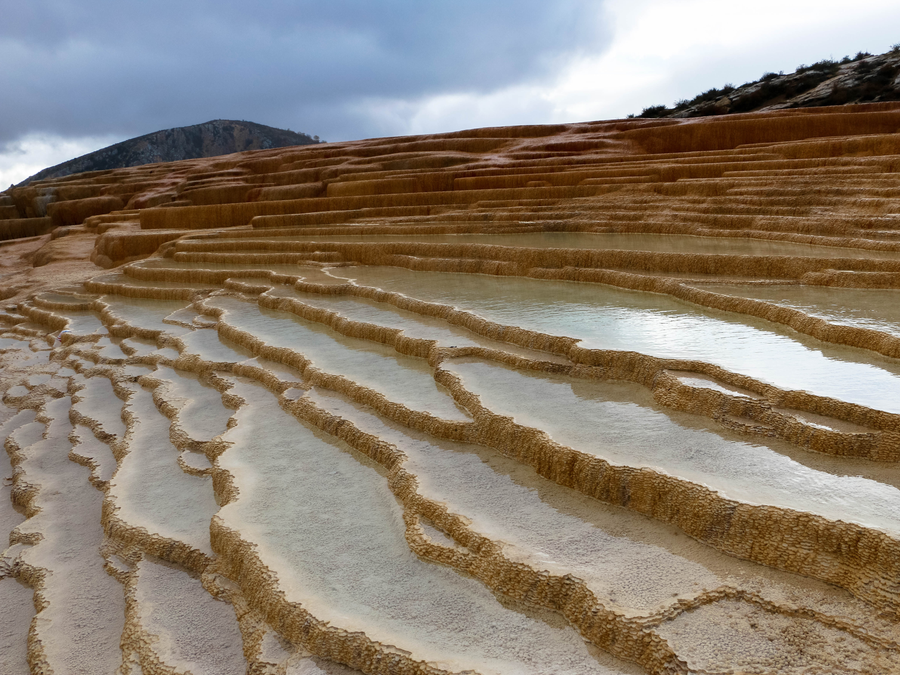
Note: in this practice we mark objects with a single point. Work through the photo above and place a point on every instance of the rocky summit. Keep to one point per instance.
(862, 79)
(609, 397)
(210, 139)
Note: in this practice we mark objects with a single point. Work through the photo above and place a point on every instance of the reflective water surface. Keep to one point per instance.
(874, 308)
(663, 243)
(599, 419)
(604, 317)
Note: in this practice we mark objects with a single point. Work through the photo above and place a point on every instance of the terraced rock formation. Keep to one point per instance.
(611, 397)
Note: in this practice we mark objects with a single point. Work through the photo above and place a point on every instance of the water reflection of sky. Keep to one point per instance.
(662, 243)
(603, 317)
(402, 379)
(599, 418)
(878, 309)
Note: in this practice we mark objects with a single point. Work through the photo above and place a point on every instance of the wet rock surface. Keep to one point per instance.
(574, 399)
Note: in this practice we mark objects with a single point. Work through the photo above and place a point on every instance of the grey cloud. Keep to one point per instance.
(130, 67)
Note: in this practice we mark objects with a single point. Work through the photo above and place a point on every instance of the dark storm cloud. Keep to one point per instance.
(129, 67)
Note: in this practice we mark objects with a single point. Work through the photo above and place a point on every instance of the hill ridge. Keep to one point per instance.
(208, 139)
(862, 79)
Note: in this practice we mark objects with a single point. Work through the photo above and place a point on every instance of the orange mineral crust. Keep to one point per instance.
(607, 397)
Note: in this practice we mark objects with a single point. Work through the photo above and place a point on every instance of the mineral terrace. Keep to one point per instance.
(611, 397)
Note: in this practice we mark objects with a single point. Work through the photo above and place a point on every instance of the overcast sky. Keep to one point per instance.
(76, 76)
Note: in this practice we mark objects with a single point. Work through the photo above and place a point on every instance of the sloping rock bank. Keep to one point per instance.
(610, 397)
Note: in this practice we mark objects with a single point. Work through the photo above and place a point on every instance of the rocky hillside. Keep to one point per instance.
(211, 139)
(861, 79)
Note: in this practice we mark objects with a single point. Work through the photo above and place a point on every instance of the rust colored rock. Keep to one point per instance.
(286, 365)
(74, 212)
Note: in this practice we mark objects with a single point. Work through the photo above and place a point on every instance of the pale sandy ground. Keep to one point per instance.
(62, 262)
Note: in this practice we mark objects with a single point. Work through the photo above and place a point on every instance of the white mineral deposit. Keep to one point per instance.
(610, 397)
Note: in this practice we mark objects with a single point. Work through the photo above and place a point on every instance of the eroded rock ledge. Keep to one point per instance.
(609, 397)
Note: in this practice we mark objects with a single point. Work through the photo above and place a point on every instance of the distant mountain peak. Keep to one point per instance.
(209, 139)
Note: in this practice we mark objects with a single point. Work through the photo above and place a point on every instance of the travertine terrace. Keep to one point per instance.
(610, 397)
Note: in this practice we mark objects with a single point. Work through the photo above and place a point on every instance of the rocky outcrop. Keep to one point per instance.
(862, 79)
